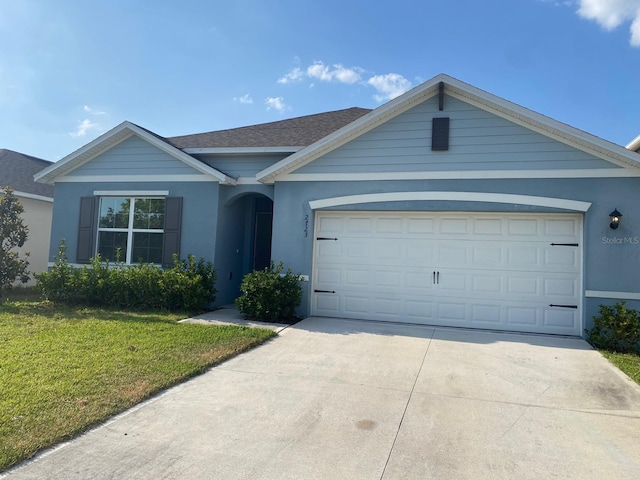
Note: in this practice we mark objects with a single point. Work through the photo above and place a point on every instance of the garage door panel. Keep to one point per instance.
(487, 284)
(488, 226)
(495, 270)
(559, 318)
(559, 227)
(421, 226)
(489, 314)
(522, 316)
(328, 304)
(356, 277)
(562, 256)
(561, 287)
(328, 276)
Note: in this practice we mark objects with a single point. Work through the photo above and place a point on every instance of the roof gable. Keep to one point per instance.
(479, 143)
(114, 137)
(18, 171)
(468, 94)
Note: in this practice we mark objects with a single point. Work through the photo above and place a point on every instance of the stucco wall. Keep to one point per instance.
(37, 216)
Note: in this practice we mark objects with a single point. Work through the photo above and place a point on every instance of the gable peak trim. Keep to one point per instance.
(470, 94)
(114, 137)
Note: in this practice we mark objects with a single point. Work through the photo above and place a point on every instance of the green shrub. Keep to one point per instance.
(55, 284)
(616, 328)
(188, 285)
(269, 294)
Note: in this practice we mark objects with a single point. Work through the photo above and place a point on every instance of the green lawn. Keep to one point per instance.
(65, 369)
(629, 363)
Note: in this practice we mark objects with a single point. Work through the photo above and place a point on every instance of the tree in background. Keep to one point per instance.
(13, 234)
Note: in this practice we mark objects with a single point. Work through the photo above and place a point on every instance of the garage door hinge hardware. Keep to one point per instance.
(326, 238)
(563, 306)
(565, 245)
(324, 291)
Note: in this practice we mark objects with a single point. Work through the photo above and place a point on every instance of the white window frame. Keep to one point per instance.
(129, 230)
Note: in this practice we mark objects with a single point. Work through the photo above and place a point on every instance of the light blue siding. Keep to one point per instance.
(479, 140)
(134, 156)
(240, 165)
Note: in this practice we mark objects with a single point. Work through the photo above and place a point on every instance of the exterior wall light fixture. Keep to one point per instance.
(615, 219)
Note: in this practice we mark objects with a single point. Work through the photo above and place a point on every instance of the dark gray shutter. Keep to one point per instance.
(86, 229)
(440, 134)
(172, 228)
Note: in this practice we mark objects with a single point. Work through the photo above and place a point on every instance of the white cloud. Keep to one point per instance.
(93, 111)
(610, 14)
(83, 127)
(336, 72)
(276, 103)
(294, 75)
(245, 99)
(389, 86)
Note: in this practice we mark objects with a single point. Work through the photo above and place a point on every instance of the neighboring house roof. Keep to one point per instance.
(17, 171)
(467, 93)
(293, 132)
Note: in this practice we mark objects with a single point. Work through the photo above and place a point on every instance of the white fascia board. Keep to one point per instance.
(135, 178)
(240, 150)
(634, 145)
(460, 175)
(32, 196)
(131, 193)
(562, 203)
(111, 138)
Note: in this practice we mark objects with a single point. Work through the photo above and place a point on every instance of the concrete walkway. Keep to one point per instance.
(338, 399)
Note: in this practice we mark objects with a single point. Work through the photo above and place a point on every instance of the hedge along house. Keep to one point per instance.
(445, 206)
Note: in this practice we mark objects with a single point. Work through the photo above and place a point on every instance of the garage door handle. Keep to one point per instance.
(565, 245)
(563, 306)
(326, 238)
(436, 277)
(324, 291)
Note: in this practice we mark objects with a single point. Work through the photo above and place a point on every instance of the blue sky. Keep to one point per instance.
(72, 70)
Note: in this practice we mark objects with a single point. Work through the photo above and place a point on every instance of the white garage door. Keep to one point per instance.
(516, 272)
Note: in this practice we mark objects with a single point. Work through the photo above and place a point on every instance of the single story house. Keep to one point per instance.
(17, 171)
(445, 206)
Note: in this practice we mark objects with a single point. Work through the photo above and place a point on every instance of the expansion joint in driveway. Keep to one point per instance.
(413, 387)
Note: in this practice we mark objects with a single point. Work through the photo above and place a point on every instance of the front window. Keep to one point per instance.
(130, 229)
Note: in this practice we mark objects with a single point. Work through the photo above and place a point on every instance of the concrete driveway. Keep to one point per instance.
(338, 399)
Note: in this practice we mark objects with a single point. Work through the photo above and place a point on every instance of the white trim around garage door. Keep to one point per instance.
(573, 205)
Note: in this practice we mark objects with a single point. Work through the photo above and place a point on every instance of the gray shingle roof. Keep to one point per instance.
(17, 170)
(294, 132)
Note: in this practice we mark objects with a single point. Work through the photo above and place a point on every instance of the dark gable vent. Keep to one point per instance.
(440, 134)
